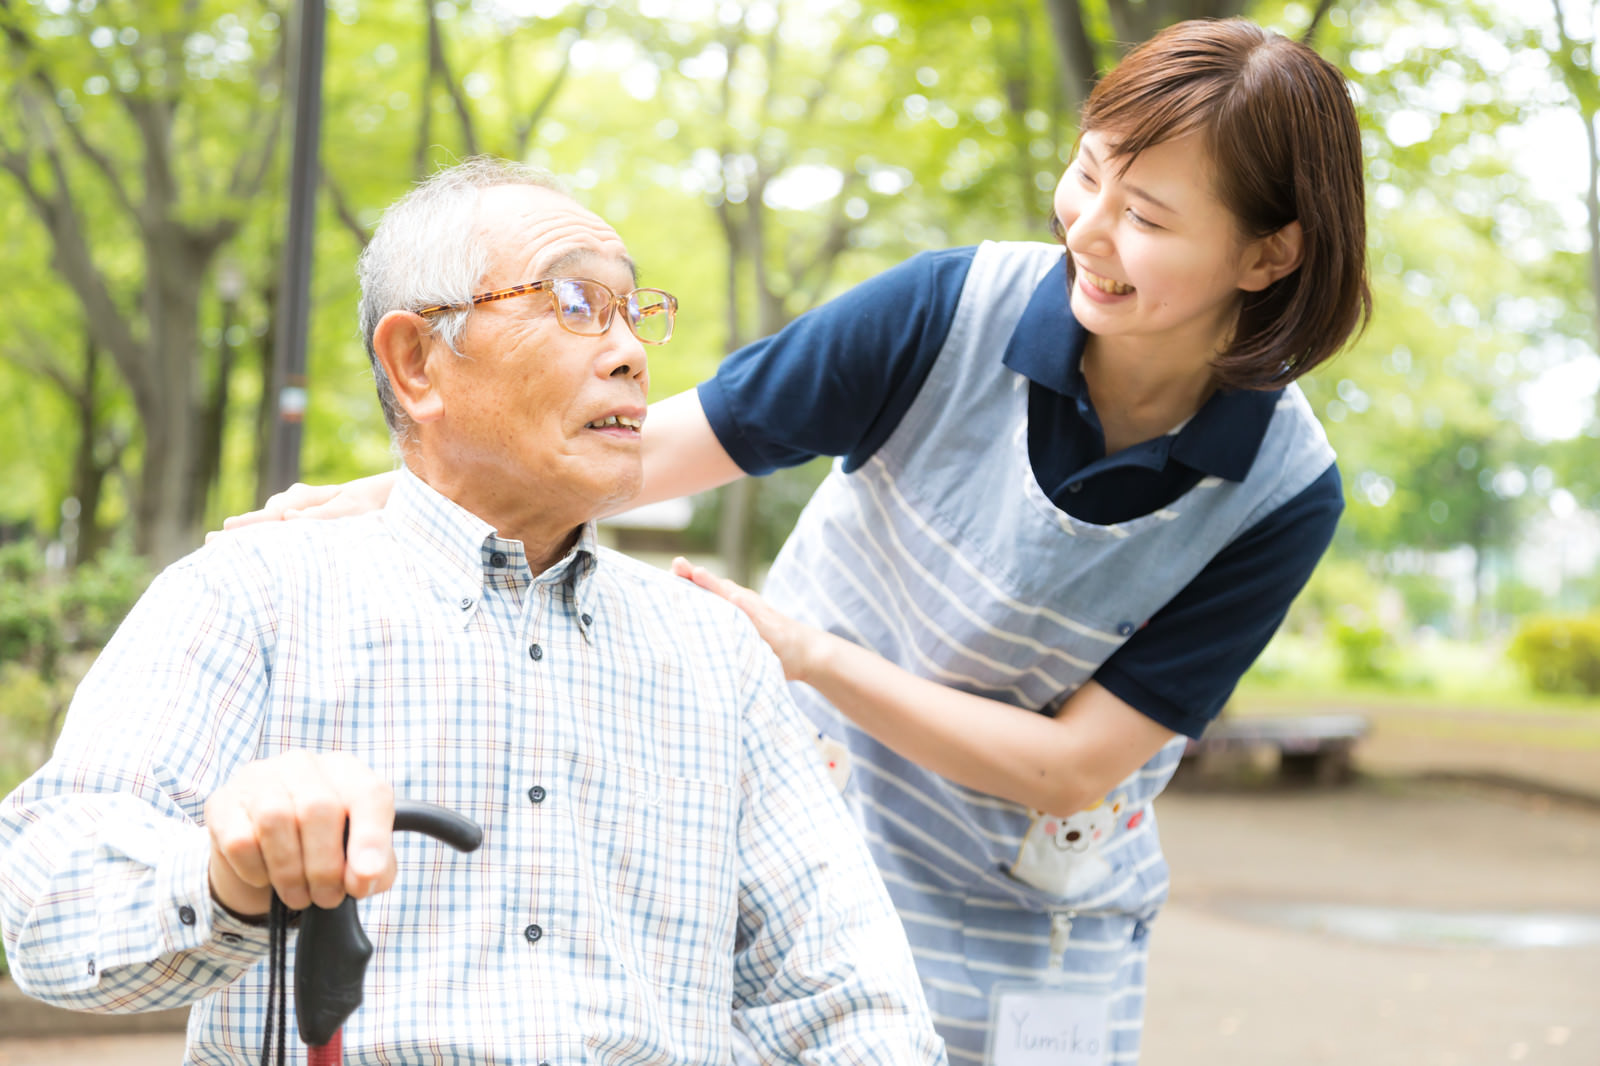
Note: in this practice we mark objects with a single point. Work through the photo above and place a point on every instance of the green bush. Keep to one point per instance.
(1365, 651)
(51, 625)
(1559, 654)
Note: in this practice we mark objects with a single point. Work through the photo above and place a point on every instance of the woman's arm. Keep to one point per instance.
(1059, 764)
(682, 456)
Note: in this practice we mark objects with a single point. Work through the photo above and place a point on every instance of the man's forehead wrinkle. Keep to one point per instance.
(533, 242)
(576, 258)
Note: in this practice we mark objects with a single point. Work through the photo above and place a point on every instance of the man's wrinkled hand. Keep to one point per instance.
(280, 824)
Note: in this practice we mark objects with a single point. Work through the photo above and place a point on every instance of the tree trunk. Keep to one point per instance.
(171, 498)
(1591, 203)
(1079, 65)
(88, 469)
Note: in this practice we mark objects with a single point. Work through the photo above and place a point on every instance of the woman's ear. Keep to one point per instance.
(1271, 257)
(402, 343)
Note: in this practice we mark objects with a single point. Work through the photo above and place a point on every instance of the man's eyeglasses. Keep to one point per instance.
(585, 307)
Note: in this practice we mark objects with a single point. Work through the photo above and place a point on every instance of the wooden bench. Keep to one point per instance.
(1311, 749)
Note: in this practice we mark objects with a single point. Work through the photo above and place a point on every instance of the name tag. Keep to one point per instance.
(1037, 1026)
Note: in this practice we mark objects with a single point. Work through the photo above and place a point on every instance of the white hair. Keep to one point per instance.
(425, 252)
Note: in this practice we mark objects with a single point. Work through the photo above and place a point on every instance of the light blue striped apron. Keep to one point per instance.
(944, 555)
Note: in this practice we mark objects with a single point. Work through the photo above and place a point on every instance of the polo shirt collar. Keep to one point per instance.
(1047, 348)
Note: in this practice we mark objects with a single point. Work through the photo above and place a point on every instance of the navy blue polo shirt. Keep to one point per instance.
(838, 379)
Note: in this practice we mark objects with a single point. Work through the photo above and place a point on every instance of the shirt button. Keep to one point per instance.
(537, 793)
(587, 620)
(1125, 628)
(465, 604)
(535, 652)
(1076, 486)
(186, 914)
(497, 559)
(533, 933)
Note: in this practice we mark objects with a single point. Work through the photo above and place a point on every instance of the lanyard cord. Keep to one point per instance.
(277, 984)
(1060, 935)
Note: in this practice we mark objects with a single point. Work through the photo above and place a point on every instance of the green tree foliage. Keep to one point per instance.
(122, 139)
(758, 157)
(1475, 295)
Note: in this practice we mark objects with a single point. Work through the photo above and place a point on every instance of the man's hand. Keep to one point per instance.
(317, 501)
(280, 824)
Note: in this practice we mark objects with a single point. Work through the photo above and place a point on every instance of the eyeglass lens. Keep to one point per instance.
(585, 307)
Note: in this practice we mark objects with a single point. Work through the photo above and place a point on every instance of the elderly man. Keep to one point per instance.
(665, 863)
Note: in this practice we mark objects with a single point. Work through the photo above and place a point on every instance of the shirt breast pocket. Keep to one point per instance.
(661, 871)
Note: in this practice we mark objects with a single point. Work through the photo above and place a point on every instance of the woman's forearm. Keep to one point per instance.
(1058, 764)
(682, 455)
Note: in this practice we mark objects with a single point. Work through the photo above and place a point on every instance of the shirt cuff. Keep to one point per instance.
(191, 919)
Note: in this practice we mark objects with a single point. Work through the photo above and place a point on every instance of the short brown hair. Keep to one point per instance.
(1283, 139)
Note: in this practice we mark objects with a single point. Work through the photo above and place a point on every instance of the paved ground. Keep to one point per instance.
(1231, 989)
(1228, 989)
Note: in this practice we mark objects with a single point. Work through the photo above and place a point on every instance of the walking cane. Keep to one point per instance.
(331, 954)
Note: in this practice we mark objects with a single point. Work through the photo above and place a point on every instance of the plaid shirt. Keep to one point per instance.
(664, 860)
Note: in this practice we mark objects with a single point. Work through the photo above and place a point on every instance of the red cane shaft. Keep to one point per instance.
(329, 1054)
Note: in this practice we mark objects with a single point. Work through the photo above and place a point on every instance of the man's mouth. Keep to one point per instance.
(614, 420)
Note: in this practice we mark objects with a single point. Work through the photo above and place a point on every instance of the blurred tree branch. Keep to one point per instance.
(1582, 82)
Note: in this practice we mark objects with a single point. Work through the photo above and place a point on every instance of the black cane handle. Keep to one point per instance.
(332, 950)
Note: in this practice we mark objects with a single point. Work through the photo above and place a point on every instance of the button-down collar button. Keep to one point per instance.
(533, 933)
(586, 619)
(186, 914)
(535, 652)
(497, 559)
(537, 793)
(466, 603)
(1076, 486)
(1125, 628)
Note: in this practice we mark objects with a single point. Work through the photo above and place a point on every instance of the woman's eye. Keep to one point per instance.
(1140, 220)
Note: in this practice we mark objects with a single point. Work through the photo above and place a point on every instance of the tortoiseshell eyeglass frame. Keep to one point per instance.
(548, 284)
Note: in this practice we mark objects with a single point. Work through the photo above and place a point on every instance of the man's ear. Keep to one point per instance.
(403, 342)
(1274, 256)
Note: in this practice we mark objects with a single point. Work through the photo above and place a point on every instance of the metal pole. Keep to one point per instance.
(289, 355)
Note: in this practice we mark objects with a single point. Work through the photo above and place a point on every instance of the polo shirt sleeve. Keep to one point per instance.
(838, 379)
(1182, 666)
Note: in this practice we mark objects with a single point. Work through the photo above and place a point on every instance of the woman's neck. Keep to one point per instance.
(1140, 393)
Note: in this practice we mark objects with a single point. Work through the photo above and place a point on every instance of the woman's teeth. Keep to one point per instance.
(1115, 288)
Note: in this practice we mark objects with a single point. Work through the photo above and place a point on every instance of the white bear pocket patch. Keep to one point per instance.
(1062, 855)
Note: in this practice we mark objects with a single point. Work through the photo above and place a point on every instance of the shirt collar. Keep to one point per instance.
(458, 547)
(1047, 348)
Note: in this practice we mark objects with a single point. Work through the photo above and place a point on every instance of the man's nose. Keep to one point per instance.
(621, 353)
